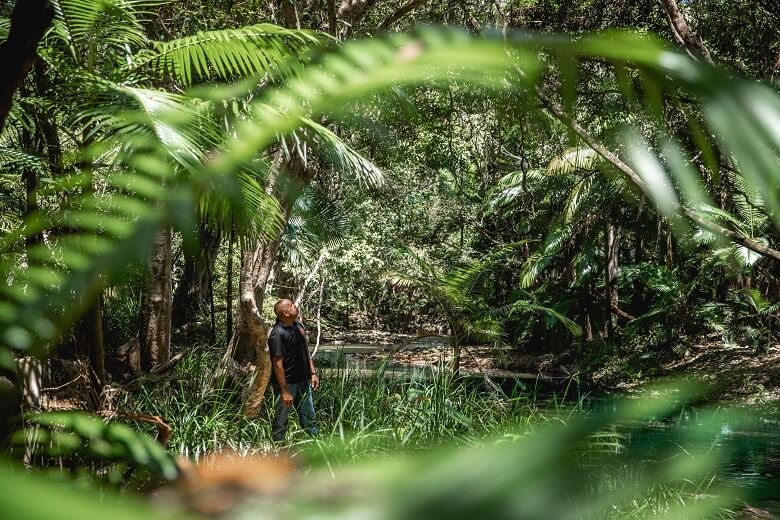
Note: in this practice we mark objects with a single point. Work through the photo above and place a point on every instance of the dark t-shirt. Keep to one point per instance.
(289, 342)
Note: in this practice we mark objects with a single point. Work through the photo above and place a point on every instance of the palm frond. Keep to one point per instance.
(317, 222)
(573, 160)
(509, 190)
(176, 122)
(116, 24)
(332, 148)
(560, 232)
(14, 160)
(527, 305)
(229, 53)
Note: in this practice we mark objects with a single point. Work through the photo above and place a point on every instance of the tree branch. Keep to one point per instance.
(29, 21)
(689, 40)
(634, 177)
(399, 13)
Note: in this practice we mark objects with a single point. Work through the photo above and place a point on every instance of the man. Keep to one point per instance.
(294, 374)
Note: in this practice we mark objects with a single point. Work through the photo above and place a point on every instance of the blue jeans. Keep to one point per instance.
(303, 404)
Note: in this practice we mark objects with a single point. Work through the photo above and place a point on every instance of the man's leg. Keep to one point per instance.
(305, 407)
(281, 412)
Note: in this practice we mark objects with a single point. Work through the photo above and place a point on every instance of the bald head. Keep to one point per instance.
(285, 311)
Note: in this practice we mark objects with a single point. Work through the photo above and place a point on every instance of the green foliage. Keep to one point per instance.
(68, 434)
(262, 49)
(140, 159)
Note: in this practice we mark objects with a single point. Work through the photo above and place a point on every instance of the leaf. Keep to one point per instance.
(262, 49)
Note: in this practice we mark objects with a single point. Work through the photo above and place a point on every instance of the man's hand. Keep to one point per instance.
(315, 381)
(287, 398)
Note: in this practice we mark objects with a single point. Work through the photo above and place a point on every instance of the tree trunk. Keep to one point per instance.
(287, 180)
(257, 330)
(92, 337)
(192, 292)
(290, 12)
(29, 21)
(612, 252)
(156, 304)
(229, 297)
(683, 34)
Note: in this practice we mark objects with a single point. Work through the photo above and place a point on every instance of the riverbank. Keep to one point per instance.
(735, 373)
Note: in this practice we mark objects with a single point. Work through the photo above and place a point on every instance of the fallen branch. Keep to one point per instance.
(164, 429)
(623, 314)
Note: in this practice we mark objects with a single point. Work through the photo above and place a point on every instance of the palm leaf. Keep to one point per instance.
(509, 190)
(229, 53)
(573, 160)
(115, 23)
(179, 124)
(341, 155)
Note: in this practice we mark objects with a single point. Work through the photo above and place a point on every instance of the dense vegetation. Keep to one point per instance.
(595, 181)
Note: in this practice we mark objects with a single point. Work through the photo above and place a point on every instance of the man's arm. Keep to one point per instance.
(315, 379)
(278, 363)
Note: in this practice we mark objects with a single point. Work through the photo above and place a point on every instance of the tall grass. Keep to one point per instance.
(443, 434)
(358, 416)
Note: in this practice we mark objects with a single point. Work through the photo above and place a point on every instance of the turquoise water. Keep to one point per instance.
(745, 440)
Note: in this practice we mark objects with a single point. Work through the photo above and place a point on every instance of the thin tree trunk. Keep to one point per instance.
(229, 315)
(156, 305)
(193, 290)
(612, 251)
(92, 335)
(333, 27)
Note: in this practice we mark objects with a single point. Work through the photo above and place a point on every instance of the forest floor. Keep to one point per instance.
(734, 373)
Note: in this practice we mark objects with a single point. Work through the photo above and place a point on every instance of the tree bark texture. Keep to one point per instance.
(29, 21)
(156, 304)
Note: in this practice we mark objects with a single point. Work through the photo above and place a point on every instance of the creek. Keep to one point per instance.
(747, 439)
